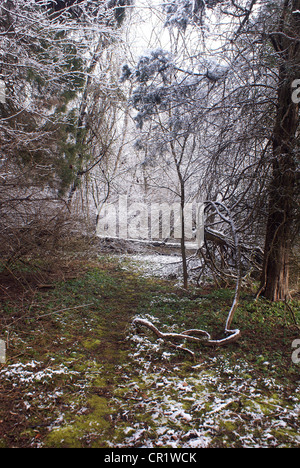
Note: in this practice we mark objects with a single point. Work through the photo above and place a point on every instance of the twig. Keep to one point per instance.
(64, 310)
(292, 313)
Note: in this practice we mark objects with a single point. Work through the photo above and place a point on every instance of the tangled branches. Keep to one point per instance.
(196, 335)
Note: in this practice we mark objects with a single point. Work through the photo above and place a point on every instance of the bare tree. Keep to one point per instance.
(255, 146)
(49, 51)
(164, 98)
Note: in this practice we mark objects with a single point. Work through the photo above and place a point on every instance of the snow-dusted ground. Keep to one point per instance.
(212, 404)
(145, 400)
(161, 266)
(207, 404)
(164, 266)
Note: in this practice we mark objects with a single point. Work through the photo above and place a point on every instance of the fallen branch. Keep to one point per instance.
(189, 335)
(63, 310)
(202, 336)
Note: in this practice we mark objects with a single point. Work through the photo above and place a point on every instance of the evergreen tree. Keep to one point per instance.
(48, 52)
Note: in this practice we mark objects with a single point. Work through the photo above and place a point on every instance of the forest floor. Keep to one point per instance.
(78, 375)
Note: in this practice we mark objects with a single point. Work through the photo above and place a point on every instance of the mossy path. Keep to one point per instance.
(77, 375)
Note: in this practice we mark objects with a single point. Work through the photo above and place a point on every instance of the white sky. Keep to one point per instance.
(146, 31)
(146, 27)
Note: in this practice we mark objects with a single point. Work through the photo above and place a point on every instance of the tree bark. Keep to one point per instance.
(282, 191)
(182, 206)
(182, 240)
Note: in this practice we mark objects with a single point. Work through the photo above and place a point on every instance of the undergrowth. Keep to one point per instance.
(77, 375)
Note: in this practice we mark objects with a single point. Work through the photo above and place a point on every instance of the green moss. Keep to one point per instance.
(286, 437)
(3, 443)
(228, 426)
(121, 392)
(101, 372)
(65, 437)
(91, 344)
(99, 381)
(76, 433)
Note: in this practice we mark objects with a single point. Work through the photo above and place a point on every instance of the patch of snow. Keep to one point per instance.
(28, 373)
(215, 399)
(158, 265)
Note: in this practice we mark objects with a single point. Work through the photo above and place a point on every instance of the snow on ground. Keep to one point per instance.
(148, 401)
(161, 266)
(154, 404)
(30, 373)
(214, 404)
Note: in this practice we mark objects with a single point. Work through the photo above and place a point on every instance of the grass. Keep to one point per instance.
(71, 367)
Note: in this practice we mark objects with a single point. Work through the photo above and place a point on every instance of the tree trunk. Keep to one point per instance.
(182, 206)
(182, 240)
(183, 249)
(283, 192)
(275, 280)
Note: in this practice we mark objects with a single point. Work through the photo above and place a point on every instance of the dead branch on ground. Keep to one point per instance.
(202, 336)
